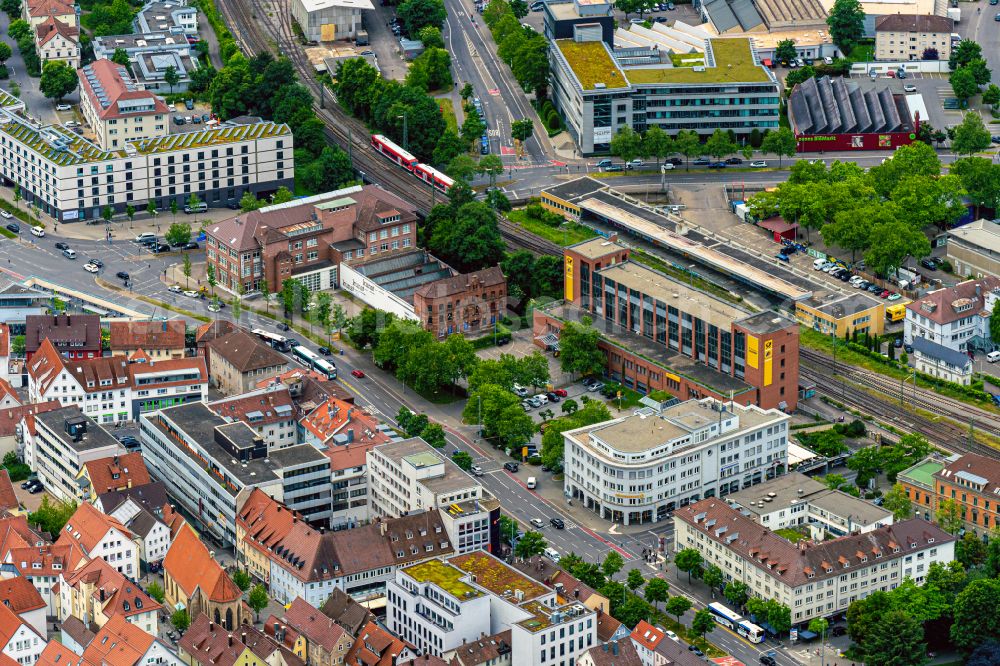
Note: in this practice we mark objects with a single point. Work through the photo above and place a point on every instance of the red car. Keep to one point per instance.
(884, 294)
(561, 393)
(358, 373)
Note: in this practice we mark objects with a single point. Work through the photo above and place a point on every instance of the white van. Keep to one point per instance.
(993, 356)
(37, 231)
(144, 237)
(818, 264)
(199, 207)
(552, 554)
(531, 483)
(69, 253)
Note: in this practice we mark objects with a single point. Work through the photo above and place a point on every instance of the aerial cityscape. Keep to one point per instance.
(499, 333)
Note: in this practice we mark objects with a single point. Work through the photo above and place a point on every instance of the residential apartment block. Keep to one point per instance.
(662, 334)
(116, 109)
(967, 480)
(598, 89)
(440, 604)
(158, 340)
(71, 178)
(955, 317)
(269, 411)
(74, 336)
(903, 37)
(307, 239)
(42, 565)
(470, 303)
(210, 466)
(639, 468)
(62, 442)
(411, 475)
(103, 537)
(238, 360)
(150, 534)
(974, 249)
(125, 644)
(96, 592)
(812, 579)
(314, 638)
(56, 41)
(36, 11)
(18, 640)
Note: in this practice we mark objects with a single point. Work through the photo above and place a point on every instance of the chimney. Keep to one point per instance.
(116, 458)
(102, 594)
(614, 648)
(211, 626)
(243, 636)
(230, 640)
(381, 528)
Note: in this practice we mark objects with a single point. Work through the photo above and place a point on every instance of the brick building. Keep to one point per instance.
(307, 239)
(74, 336)
(470, 303)
(969, 481)
(661, 334)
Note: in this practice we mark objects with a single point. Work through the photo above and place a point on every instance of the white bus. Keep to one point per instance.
(276, 341)
(724, 616)
(750, 631)
(327, 368)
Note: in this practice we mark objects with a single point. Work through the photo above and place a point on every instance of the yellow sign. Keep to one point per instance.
(768, 354)
(568, 280)
(752, 361)
(672, 377)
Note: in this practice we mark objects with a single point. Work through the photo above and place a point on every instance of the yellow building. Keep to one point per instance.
(563, 198)
(259, 510)
(842, 314)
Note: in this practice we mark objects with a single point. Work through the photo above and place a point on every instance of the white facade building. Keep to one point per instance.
(102, 536)
(151, 534)
(440, 604)
(636, 469)
(18, 640)
(954, 316)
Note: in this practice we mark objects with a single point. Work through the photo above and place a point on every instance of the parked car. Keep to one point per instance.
(526, 405)
(758, 164)
(360, 374)
(189, 104)
(767, 660)
(191, 246)
(14, 227)
(551, 395)
(510, 466)
(191, 293)
(910, 88)
(734, 160)
(838, 630)
(884, 294)
(717, 165)
(930, 263)
(701, 161)
(161, 247)
(91, 268)
(561, 393)
(893, 297)
(634, 164)
(175, 289)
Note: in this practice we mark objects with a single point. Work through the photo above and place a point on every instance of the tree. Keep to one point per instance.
(430, 36)
(976, 613)
(780, 142)
(180, 620)
(173, 208)
(892, 243)
(964, 53)
(58, 80)
(712, 577)
(186, 269)
(257, 599)
(847, 23)
(819, 625)
(210, 277)
(656, 143)
(331, 170)
(980, 71)
(120, 57)
(155, 590)
(463, 460)
(171, 77)
(569, 406)
(491, 166)
(179, 233)
(635, 579)
(688, 560)
(11, 7)
(519, 7)
(471, 241)
(467, 92)
(677, 606)
(633, 611)
(130, 213)
(531, 544)
(702, 624)
(504, 421)
(898, 640)
(612, 564)
(949, 516)
(797, 76)
(242, 579)
(785, 51)
(52, 515)
(626, 144)
(448, 147)
(991, 95)
(980, 179)
(930, 53)
(522, 129)
(415, 14)
(736, 593)
(282, 195)
(531, 66)
(963, 84)
(895, 500)
(971, 135)
(656, 591)
(688, 144)
(431, 70)
(925, 201)
(462, 167)
(18, 30)
(719, 144)
(579, 353)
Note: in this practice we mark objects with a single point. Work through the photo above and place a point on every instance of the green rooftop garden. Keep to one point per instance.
(497, 577)
(592, 64)
(448, 578)
(734, 63)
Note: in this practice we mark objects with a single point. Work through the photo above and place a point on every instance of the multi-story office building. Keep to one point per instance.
(440, 604)
(307, 239)
(598, 89)
(63, 440)
(903, 37)
(269, 411)
(117, 110)
(410, 475)
(209, 466)
(662, 334)
(814, 579)
(638, 468)
(71, 178)
(955, 317)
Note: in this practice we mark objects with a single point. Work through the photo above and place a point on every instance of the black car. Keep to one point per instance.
(874, 289)
(930, 263)
(552, 397)
(845, 276)
(676, 161)
(161, 247)
(128, 439)
(325, 351)
(282, 326)
(838, 630)
(510, 466)
(97, 262)
(734, 160)
(767, 660)
(121, 275)
(293, 342)
(13, 226)
(696, 650)
(191, 246)
(557, 523)
(62, 246)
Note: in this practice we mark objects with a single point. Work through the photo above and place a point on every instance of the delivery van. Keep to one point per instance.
(531, 483)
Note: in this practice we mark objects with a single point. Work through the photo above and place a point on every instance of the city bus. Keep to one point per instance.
(750, 631)
(327, 368)
(278, 342)
(724, 616)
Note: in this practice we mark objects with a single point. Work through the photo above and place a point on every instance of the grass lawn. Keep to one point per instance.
(629, 399)
(568, 233)
(448, 111)
(790, 534)
(861, 52)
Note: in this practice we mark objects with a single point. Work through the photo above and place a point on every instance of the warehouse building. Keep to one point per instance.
(330, 20)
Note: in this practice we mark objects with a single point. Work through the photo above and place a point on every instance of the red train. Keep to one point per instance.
(406, 160)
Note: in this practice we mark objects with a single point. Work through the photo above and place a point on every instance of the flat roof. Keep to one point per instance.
(96, 437)
(781, 491)
(841, 504)
(592, 64)
(837, 305)
(445, 576)
(984, 234)
(766, 322)
(499, 578)
(595, 248)
(575, 188)
(730, 61)
(923, 472)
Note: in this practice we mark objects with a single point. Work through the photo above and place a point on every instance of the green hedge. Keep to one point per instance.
(227, 45)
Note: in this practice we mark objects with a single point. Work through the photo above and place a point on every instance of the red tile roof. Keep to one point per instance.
(15, 533)
(210, 644)
(52, 559)
(19, 595)
(647, 635)
(94, 375)
(4, 340)
(335, 417)
(10, 622)
(7, 391)
(52, 26)
(118, 87)
(147, 335)
(375, 647)
(117, 472)
(118, 643)
(49, 8)
(8, 499)
(309, 622)
(77, 332)
(190, 565)
(121, 596)
(965, 299)
(57, 654)
(263, 401)
(88, 526)
(12, 416)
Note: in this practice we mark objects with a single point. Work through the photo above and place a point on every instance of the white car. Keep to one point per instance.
(38, 231)
(759, 164)
(212, 307)
(909, 87)
(191, 293)
(174, 289)
(63, 107)
(537, 522)
(90, 268)
(6, 214)
(671, 635)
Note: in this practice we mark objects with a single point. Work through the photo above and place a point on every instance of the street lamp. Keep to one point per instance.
(903, 381)
(405, 142)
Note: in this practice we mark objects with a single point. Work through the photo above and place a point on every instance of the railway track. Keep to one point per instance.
(844, 386)
(255, 31)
